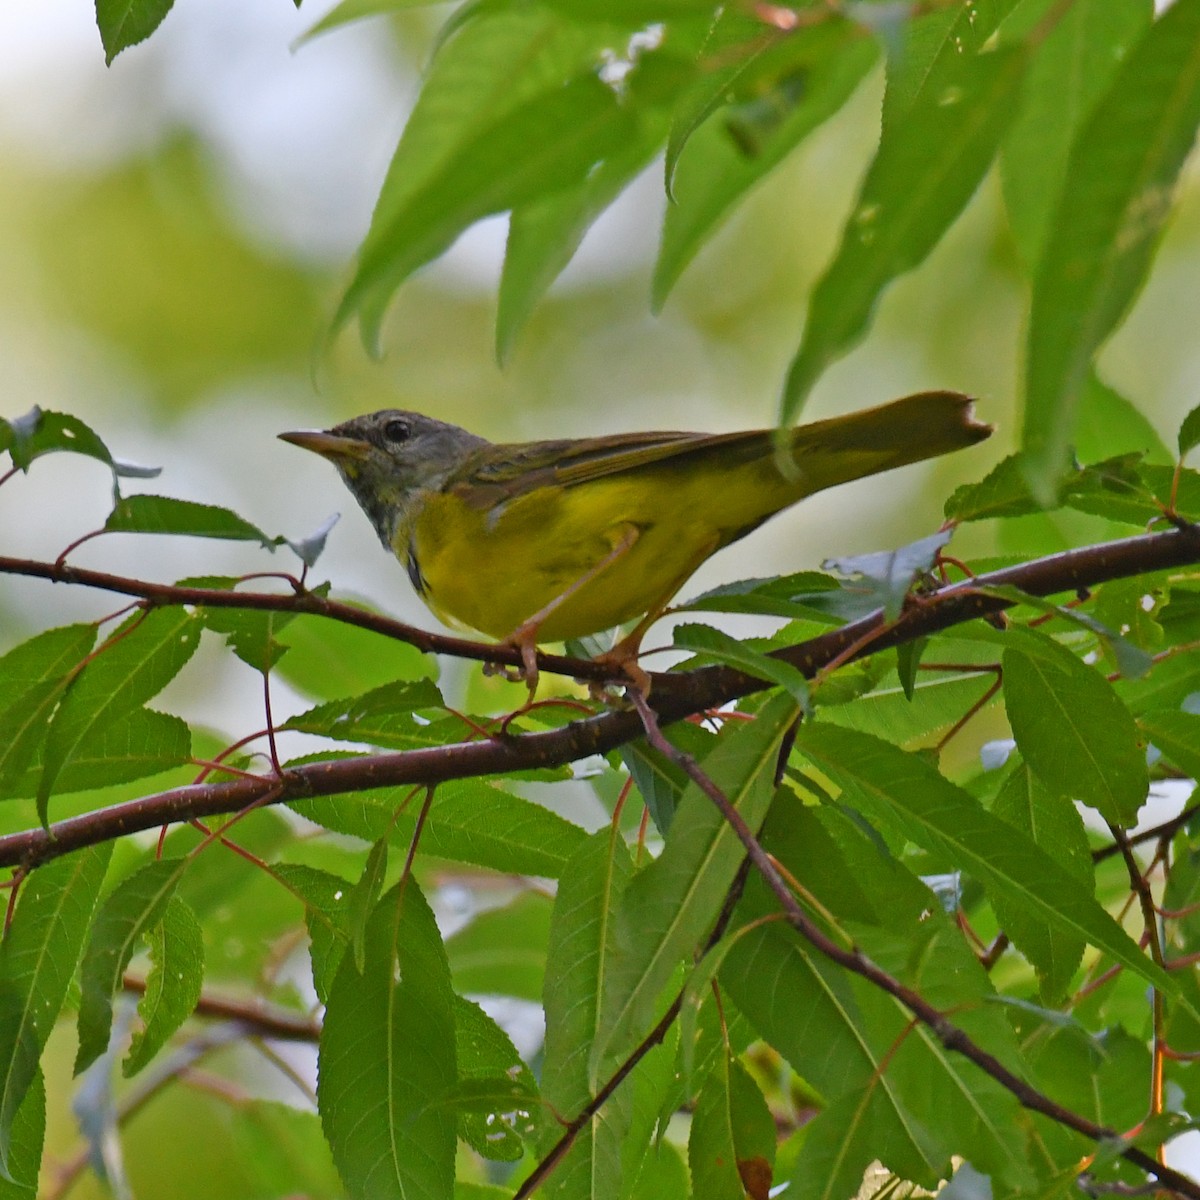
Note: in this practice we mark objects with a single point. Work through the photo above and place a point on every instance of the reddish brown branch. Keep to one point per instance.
(674, 696)
(949, 1034)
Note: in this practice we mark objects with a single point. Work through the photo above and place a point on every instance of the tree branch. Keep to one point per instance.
(673, 696)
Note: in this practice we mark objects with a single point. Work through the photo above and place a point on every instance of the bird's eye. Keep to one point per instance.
(397, 431)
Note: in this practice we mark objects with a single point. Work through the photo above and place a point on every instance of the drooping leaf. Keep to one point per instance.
(33, 677)
(387, 1058)
(1113, 207)
(580, 944)
(1072, 728)
(907, 794)
(505, 1108)
(126, 917)
(173, 985)
(716, 169)
(134, 665)
(1070, 71)
(884, 577)
(124, 23)
(731, 1147)
(926, 169)
(37, 961)
(671, 903)
(1054, 824)
(325, 898)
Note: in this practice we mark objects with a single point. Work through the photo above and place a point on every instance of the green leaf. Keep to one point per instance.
(732, 1136)
(505, 1103)
(282, 1151)
(328, 659)
(126, 916)
(1072, 728)
(24, 1145)
(660, 781)
(545, 232)
(37, 962)
(672, 903)
(1176, 735)
(503, 950)
(470, 820)
(716, 646)
(173, 985)
(1054, 824)
(38, 432)
(163, 514)
(580, 945)
(781, 595)
(553, 140)
(1189, 432)
(364, 896)
(1110, 425)
(926, 169)
(249, 633)
(1114, 204)
(33, 676)
(907, 794)
(325, 897)
(387, 1058)
(124, 23)
(887, 576)
(1070, 71)
(357, 10)
(141, 743)
(716, 170)
(132, 666)
(381, 717)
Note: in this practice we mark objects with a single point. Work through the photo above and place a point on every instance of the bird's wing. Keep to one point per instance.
(498, 474)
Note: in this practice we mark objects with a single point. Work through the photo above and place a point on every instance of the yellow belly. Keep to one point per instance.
(493, 570)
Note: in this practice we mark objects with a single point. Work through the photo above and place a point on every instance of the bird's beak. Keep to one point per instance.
(329, 445)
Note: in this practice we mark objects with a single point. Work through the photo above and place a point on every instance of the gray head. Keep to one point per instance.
(389, 459)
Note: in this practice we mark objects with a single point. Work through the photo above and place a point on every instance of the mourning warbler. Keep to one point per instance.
(542, 541)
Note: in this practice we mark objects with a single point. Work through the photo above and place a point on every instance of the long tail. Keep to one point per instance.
(826, 453)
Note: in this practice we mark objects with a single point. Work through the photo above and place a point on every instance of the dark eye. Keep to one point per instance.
(397, 431)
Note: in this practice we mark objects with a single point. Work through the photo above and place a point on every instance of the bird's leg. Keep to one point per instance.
(622, 658)
(524, 638)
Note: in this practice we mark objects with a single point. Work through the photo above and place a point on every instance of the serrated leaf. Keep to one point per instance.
(717, 646)
(907, 794)
(1110, 425)
(39, 432)
(134, 665)
(387, 1058)
(37, 961)
(470, 820)
(580, 944)
(1189, 432)
(731, 1146)
(125, 917)
(715, 171)
(173, 985)
(670, 905)
(926, 169)
(382, 717)
(1114, 204)
(504, 1108)
(364, 897)
(325, 897)
(783, 596)
(164, 514)
(1072, 728)
(33, 677)
(124, 23)
(1054, 824)
(1070, 71)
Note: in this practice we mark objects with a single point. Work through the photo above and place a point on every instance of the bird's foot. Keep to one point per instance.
(524, 641)
(621, 661)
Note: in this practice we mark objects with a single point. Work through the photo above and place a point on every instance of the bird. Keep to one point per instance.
(546, 541)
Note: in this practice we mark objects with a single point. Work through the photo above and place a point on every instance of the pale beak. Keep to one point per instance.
(329, 445)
